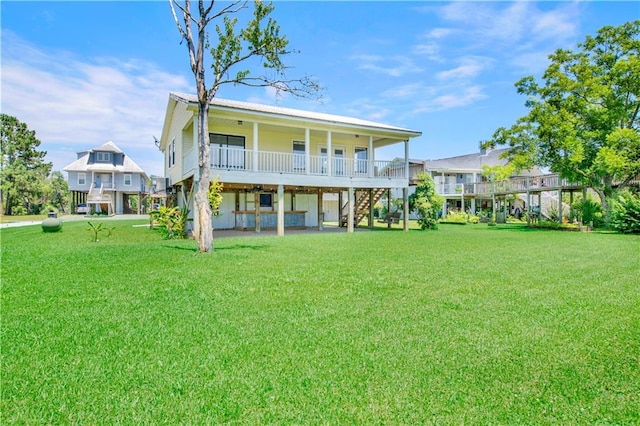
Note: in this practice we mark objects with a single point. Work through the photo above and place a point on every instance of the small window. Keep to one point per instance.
(172, 153)
(266, 200)
(103, 157)
(82, 178)
(127, 180)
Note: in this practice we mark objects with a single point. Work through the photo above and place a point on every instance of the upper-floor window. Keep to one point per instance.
(361, 156)
(103, 157)
(127, 180)
(82, 178)
(172, 153)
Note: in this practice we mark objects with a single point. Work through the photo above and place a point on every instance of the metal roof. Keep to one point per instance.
(218, 103)
(82, 163)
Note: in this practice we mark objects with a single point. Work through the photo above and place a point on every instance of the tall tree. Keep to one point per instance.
(56, 192)
(232, 50)
(583, 120)
(22, 167)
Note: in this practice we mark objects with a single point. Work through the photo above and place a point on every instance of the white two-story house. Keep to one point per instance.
(103, 179)
(277, 164)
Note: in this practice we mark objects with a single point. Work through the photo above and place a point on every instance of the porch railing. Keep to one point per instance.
(513, 185)
(289, 163)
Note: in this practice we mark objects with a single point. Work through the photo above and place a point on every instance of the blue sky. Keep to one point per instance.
(83, 73)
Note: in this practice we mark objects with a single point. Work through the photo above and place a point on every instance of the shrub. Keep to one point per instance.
(18, 211)
(456, 217)
(625, 213)
(170, 221)
(589, 212)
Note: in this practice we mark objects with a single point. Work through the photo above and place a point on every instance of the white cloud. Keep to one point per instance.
(394, 66)
(469, 67)
(509, 23)
(79, 103)
(409, 90)
(429, 49)
(452, 97)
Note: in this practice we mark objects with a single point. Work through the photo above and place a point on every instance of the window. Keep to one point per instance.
(127, 180)
(227, 151)
(103, 157)
(82, 178)
(299, 156)
(266, 200)
(172, 153)
(361, 157)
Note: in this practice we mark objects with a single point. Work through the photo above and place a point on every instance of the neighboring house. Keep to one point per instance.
(103, 179)
(456, 179)
(278, 165)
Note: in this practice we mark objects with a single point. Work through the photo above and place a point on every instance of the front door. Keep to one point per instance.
(338, 160)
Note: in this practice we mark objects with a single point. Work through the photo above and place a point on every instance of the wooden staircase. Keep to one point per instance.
(361, 206)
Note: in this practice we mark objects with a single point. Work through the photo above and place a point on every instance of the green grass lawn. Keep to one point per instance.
(467, 324)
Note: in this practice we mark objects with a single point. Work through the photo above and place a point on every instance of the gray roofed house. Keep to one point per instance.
(454, 177)
(104, 179)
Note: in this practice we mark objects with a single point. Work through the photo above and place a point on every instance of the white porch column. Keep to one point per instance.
(406, 160)
(351, 215)
(255, 146)
(307, 147)
(528, 206)
(329, 155)
(371, 207)
(280, 210)
(370, 158)
(560, 205)
(196, 167)
(320, 213)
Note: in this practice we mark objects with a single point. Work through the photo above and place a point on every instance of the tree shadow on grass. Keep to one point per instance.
(232, 247)
(244, 246)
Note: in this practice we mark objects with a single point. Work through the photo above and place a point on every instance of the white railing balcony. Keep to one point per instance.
(449, 188)
(288, 163)
(513, 185)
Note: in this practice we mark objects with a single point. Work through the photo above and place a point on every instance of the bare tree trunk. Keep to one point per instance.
(203, 209)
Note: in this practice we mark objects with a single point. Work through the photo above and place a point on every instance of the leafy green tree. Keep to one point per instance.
(583, 116)
(22, 167)
(56, 192)
(426, 202)
(258, 42)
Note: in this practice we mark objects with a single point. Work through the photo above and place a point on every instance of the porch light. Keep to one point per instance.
(239, 122)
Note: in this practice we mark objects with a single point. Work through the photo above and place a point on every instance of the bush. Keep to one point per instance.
(589, 212)
(456, 217)
(625, 213)
(170, 221)
(18, 211)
